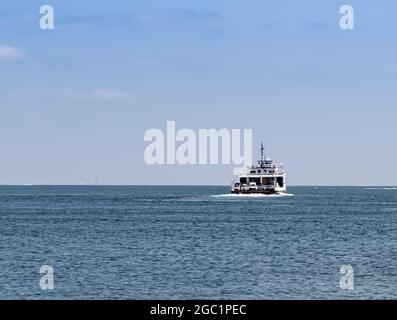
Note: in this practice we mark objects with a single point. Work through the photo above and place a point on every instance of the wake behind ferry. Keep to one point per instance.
(264, 177)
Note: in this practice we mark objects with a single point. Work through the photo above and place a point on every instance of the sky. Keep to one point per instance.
(76, 101)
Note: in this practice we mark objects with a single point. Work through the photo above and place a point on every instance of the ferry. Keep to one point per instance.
(264, 177)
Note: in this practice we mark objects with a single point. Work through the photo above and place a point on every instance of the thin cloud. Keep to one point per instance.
(317, 25)
(111, 95)
(8, 53)
(385, 67)
(194, 15)
(139, 19)
(147, 63)
(102, 20)
(97, 94)
(294, 24)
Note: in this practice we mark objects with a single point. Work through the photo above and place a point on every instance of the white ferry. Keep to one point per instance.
(264, 177)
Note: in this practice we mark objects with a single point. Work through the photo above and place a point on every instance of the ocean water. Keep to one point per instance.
(197, 242)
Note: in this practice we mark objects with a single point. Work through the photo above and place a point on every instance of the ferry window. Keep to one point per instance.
(256, 180)
(280, 181)
(252, 172)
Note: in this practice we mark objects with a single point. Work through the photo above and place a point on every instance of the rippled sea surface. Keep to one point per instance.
(197, 242)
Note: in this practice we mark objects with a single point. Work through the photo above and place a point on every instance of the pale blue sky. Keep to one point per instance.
(76, 101)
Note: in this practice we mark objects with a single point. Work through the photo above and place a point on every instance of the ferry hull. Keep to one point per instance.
(269, 191)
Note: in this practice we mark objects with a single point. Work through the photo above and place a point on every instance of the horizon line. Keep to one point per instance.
(174, 185)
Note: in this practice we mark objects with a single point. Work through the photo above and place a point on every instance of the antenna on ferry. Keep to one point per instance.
(262, 152)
